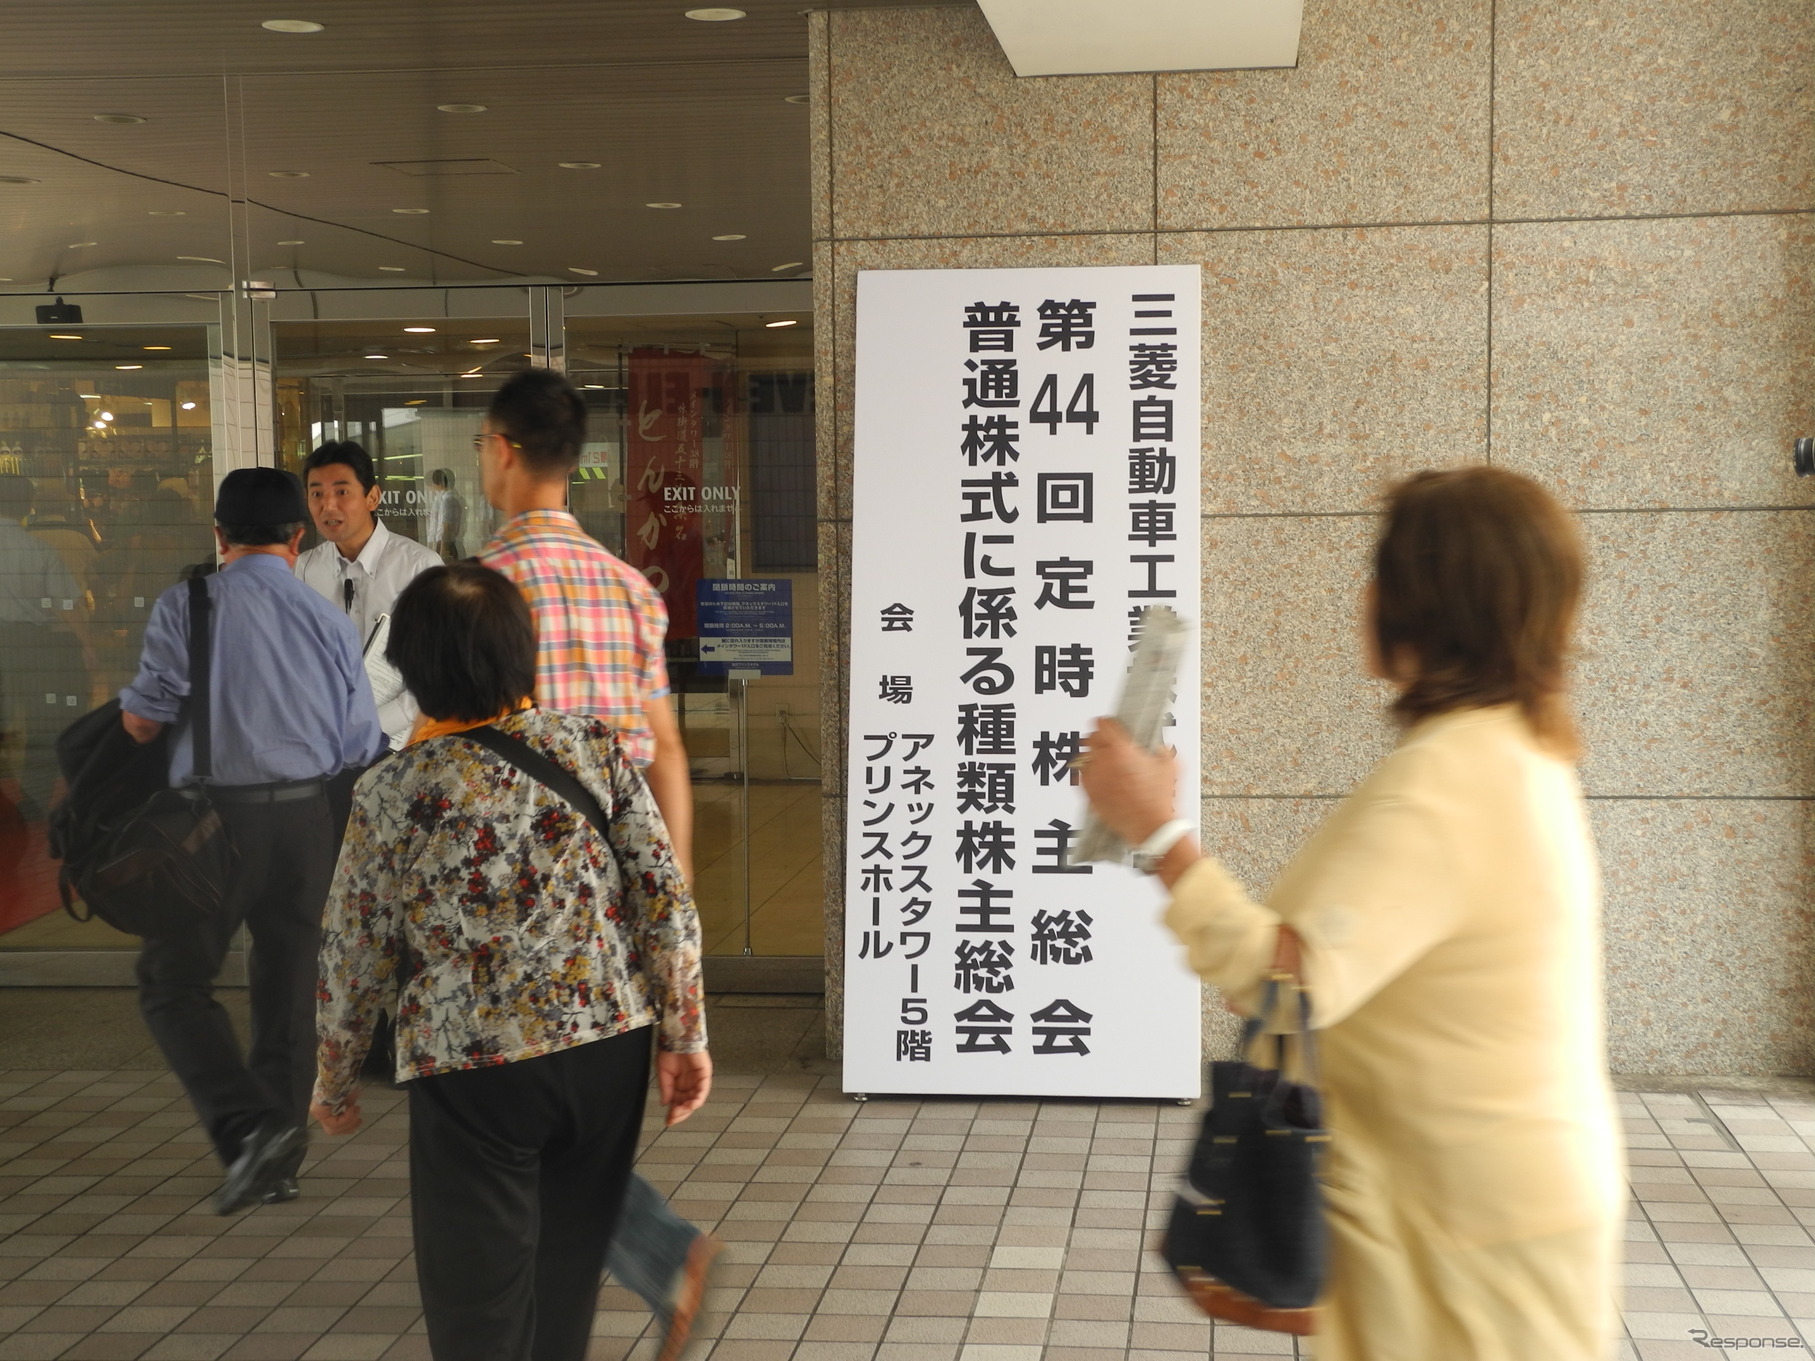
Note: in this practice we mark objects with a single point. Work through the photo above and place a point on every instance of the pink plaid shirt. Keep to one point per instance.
(599, 623)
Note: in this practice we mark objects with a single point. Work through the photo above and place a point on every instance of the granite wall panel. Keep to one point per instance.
(934, 136)
(1696, 674)
(1384, 119)
(1337, 361)
(1607, 108)
(1710, 951)
(1656, 363)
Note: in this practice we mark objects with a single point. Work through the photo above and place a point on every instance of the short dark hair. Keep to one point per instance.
(346, 452)
(16, 495)
(442, 477)
(463, 640)
(259, 536)
(540, 412)
(1477, 577)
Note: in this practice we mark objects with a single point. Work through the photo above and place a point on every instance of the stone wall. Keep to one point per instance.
(1567, 236)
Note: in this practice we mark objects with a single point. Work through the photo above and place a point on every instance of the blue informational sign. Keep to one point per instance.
(746, 627)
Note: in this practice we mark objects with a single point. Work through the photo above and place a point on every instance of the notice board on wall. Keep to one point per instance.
(1025, 483)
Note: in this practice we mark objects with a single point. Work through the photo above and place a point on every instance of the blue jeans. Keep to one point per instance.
(650, 1247)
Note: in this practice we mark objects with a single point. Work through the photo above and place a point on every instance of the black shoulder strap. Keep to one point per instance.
(538, 767)
(201, 681)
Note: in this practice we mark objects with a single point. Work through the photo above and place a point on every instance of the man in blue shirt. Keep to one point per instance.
(289, 708)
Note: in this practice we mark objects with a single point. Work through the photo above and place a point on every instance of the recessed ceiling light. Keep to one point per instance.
(593, 387)
(292, 243)
(123, 119)
(589, 273)
(89, 396)
(578, 165)
(505, 241)
(731, 236)
(202, 259)
(61, 337)
(19, 179)
(105, 416)
(715, 14)
(189, 406)
(420, 330)
(461, 108)
(293, 26)
(410, 212)
(489, 340)
(156, 347)
(378, 356)
(129, 366)
(167, 212)
(288, 174)
(773, 325)
(78, 245)
(390, 269)
(474, 374)
(416, 401)
(661, 205)
(797, 99)
(792, 264)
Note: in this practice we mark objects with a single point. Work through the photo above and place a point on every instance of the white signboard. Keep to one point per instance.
(1026, 483)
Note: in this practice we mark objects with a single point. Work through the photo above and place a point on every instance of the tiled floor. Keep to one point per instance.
(895, 1230)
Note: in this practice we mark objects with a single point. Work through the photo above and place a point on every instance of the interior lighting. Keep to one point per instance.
(292, 243)
(420, 330)
(417, 401)
(486, 340)
(732, 236)
(391, 269)
(410, 212)
(100, 425)
(129, 366)
(293, 26)
(593, 387)
(167, 212)
(157, 347)
(61, 337)
(378, 356)
(474, 374)
(773, 325)
(189, 406)
(715, 14)
(461, 108)
(19, 179)
(589, 273)
(202, 259)
(578, 165)
(105, 416)
(797, 99)
(505, 241)
(288, 174)
(792, 264)
(661, 205)
(123, 119)
(78, 245)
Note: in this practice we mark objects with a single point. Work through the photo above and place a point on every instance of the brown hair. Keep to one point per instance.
(1477, 578)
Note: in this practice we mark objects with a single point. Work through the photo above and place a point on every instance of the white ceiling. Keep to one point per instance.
(1090, 37)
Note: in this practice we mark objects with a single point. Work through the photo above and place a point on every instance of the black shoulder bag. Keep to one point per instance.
(161, 864)
(1246, 1238)
(544, 771)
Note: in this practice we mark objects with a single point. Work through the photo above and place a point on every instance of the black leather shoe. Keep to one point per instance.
(285, 1188)
(265, 1158)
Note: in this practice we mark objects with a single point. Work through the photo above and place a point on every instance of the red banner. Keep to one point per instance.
(663, 467)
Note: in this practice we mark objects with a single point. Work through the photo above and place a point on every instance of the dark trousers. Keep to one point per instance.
(517, 1176)
(279, 888)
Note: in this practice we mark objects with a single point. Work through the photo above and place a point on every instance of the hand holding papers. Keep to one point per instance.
(1147, 696)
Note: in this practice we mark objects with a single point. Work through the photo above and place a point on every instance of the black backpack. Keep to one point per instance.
(144, 858)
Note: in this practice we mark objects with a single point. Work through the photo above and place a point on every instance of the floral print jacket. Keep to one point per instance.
(493, 921)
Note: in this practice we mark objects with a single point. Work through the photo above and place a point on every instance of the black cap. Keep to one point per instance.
(260, 496)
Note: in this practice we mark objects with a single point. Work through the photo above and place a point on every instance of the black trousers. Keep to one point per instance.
(279, 888)
(517, 1174)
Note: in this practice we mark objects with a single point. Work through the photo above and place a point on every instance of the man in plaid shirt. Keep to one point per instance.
(600, 624)
(600, 629)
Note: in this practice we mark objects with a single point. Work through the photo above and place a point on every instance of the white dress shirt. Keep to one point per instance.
(386, 564)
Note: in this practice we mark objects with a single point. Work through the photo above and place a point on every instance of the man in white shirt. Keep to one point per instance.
(362, 566)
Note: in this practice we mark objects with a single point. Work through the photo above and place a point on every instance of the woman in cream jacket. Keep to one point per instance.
(1446, 923)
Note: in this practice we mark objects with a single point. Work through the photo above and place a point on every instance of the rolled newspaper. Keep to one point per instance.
(1148, 695)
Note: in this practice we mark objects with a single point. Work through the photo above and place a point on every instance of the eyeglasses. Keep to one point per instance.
(480, 439)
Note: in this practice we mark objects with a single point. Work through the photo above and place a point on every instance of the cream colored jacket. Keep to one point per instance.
(1450, 913)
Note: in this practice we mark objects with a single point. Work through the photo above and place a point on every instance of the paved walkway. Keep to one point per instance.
(896, 1230)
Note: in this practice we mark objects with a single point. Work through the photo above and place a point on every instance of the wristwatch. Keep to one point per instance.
(1149, 853)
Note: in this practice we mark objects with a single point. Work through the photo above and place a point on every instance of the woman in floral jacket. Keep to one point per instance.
(526, 958)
